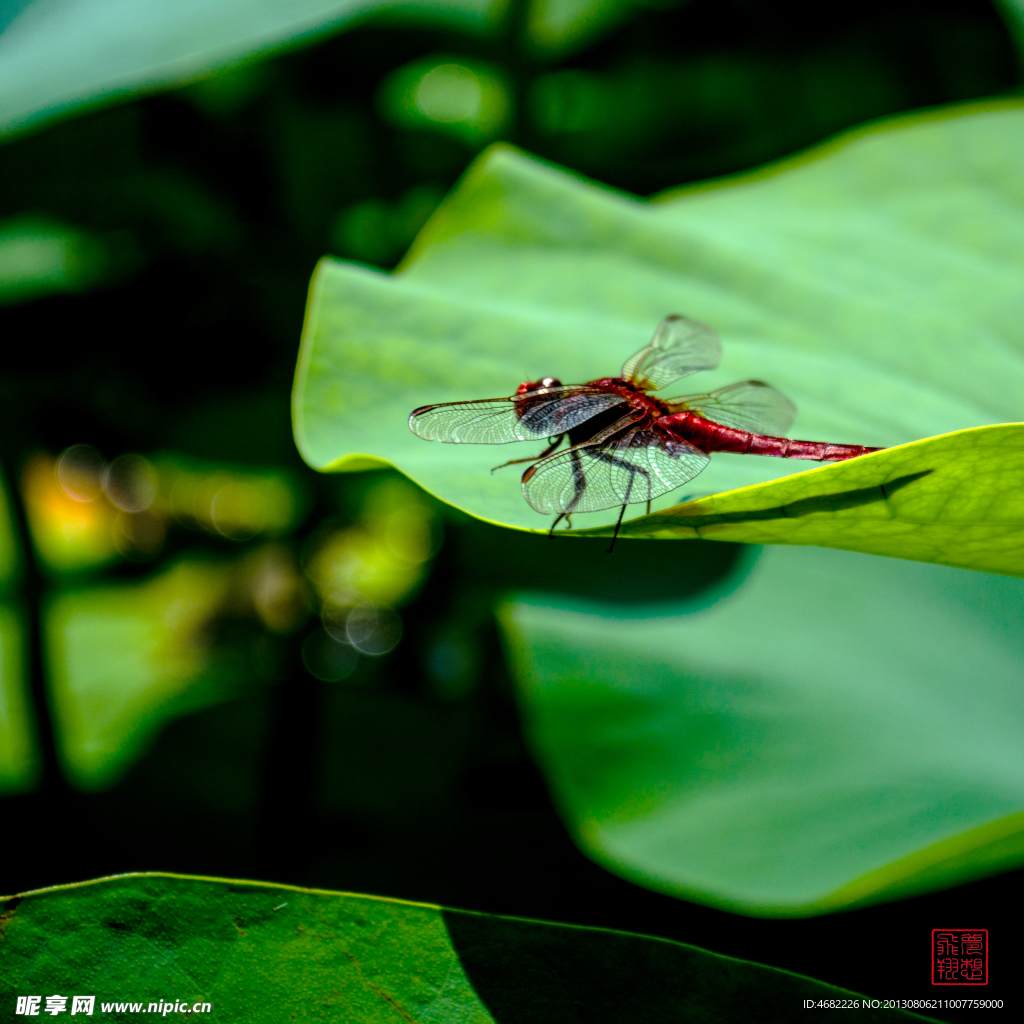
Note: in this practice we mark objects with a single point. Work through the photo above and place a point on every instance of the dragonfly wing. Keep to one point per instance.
(621, 466)
(543, 413)
(484, 421)
(557, 410)
(749, 405)
(680, 346)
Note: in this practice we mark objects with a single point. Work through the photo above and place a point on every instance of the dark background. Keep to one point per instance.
(215, 207)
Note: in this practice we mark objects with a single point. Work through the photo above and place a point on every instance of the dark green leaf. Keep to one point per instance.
(258, 952)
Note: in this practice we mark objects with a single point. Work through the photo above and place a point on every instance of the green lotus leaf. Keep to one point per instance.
(1013, 13)
(875, 280)
(838, 731)
(125, 658)
(238, 950)
(58, 56)
(39, 256)
(19, 760)
(9, 555)
(18, 757)
(956, 500)
(557, 26)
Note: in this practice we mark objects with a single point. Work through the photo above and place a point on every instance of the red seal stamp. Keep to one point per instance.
(959, 956)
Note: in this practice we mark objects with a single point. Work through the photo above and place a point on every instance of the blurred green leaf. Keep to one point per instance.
(235, 502)
(124, 658)
(841, 730)
(9, 559)
(39, 256)
(716, 112)
(874, 280)
(569, 101)
(259, 952)
(1013, 12)
(225, 93)
(59, 54)
(129, 502)
(18, 758)
(379, 232)
(557, 26)
(382, 558)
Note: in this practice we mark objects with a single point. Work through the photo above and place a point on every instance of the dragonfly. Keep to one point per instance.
(625, 446)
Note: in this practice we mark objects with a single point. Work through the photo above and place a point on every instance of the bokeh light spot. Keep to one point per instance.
(449, 93)
(80, 472)
(467, 99)
(70, 532)
(372, 629)
(130, 483)
(328, 659)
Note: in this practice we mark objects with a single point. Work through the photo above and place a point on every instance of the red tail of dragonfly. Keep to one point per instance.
(626, 446)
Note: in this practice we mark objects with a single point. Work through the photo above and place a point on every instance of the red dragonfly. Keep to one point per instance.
(626, 446)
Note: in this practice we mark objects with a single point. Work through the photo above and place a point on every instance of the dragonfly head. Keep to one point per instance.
(535, 385)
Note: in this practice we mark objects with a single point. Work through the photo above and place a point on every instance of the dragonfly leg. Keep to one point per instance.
(568, 523)
(622, 512)
(533, 458)
(648, 506)
(551, 532)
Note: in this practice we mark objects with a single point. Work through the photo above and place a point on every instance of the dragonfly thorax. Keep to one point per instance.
(637, 397)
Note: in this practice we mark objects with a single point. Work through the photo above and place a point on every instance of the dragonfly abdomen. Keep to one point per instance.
(715, 437)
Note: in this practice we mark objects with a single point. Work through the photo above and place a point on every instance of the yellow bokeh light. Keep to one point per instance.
(68, 533)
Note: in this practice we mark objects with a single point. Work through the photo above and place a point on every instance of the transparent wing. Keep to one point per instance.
(680, 346)
(546, 412)
(750, 405)
(617, 467)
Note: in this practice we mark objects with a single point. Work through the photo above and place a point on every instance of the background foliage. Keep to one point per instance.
(170, 698)
(862, 278)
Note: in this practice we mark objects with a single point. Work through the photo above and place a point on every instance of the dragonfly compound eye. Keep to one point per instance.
(534, 385)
